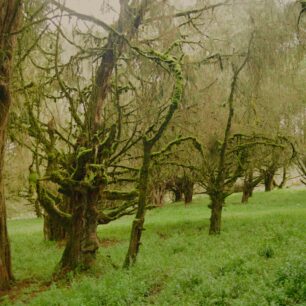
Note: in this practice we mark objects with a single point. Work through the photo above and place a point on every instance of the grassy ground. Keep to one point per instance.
(259, 259)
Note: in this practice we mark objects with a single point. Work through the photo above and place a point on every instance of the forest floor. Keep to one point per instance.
(259, 259)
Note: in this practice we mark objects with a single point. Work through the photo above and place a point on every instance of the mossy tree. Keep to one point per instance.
(10, 15)
(150, 137)
(93, 129)
(78, 149)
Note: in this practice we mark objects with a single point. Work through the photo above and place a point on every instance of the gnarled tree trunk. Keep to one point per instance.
(9, 21)
(82, 241)
(53, 229)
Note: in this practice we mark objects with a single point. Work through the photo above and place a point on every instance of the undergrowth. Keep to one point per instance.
(259, 259)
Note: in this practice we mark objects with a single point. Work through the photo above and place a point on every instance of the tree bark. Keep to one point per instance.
(175, 186)
(188, 191)
(247, 193)
(157, 195)
(269, 180)
(82, 242)
(53, 229)
(10, 12)
(178, 195)
(248, 187)
(6, 275)
(216, 214)
(32, 193)
(137, 226)
(284, 178)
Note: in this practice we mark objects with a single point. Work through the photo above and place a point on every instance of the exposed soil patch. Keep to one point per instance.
(19, 288)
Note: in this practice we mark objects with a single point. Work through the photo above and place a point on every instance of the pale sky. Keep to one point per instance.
(107, 9)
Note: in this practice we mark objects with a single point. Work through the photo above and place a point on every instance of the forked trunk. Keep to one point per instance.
(82, 241)
(216, 213)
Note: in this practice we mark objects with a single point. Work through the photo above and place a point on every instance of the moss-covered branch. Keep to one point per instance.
(177, 142)
(127, 208)
(120, 195)
(49, 202)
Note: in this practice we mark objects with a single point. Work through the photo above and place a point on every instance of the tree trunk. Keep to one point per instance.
(247, 193)
(188, 191)
(32, 195)
(10, 13)
(53, 230)
(217, 194)
(158, 193)
(248, 187)
(178, 195)
(175, 185)
(269, 180)
(137, 226)
(82, 242)
(5, 257)
(216, 213)
(284, 178)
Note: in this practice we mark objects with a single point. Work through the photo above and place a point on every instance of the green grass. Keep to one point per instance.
(259, 259)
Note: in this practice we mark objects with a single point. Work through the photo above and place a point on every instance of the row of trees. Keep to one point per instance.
(115, 113)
